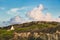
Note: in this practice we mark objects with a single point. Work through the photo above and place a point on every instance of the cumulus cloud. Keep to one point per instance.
(38, 15)
(48, 17)
(16, 20)
(58, 19)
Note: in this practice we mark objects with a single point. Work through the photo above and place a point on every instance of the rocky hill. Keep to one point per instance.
(40, 26)
(35, 30)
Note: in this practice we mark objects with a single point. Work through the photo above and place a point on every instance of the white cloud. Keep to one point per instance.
(16, 19)
(37, 14)
(15, 11)
(40, 7)
(48, 17)
(58, 19)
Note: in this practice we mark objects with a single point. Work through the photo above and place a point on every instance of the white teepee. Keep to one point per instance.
(12, 28)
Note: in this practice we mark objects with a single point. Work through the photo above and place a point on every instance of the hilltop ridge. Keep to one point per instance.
(41, 26)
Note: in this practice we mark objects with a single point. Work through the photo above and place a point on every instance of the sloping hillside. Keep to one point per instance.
(30, 27)
(38, 26)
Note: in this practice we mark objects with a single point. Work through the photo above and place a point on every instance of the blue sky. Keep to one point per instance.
(52, 6)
